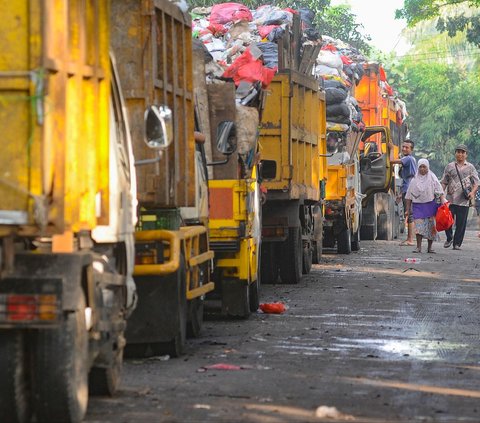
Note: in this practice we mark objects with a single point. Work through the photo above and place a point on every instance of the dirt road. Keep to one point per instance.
(367, 335)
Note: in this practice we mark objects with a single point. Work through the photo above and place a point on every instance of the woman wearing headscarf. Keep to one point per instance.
(422, 194)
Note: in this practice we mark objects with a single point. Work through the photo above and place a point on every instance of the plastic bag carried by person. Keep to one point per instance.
(444, 218)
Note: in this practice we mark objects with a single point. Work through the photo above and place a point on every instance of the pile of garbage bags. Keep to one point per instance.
(242, 46)
(243, 42)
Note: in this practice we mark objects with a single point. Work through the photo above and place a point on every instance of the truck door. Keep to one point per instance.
(375, 168)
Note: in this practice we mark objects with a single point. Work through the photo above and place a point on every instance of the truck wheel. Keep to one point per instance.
(328, 237)
(292, 258)
(355, 245)
(14, 392)
(317, 252)
(254, 296)
(268, 264)
(344, 241)
(307, 260)
(195, 317)
(105, 380)
(254, 287)
(60, 362)
(196, 306)
(136, 350)
(384, 230)
(175, 347)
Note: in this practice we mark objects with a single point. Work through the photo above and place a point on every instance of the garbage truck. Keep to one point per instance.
(67, 211)
(235, 204)
(153, 45)
(384, 115)
(343, 197)
(293, 160)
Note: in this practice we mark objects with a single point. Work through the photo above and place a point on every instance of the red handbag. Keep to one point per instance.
(443, 218)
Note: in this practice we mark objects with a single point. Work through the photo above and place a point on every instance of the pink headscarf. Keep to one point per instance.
(422, 188)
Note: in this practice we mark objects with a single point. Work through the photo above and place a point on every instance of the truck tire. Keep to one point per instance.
(106, 380)
(292, 257)
(384, 228)
(344, 241)
(254, 287)
(328, 237)
(61, 373)
(254, 296)
(317, 252)
(195, 317)
(14, 385)
(195, 306)
(268, 264)
(176, 346)
(307, 259)
(356, 240)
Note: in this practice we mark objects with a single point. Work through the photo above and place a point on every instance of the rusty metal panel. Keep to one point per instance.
(293, 135)
(152, 41)
(54, 90)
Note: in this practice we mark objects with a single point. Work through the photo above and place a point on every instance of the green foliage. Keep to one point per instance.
(415, 11)
(339, 22)
(444, 109)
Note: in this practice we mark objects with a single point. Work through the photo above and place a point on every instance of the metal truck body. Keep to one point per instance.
(343, 197)
(153, 43)
(382, 216)
(234, 194)
(292, 141)
(67, 213)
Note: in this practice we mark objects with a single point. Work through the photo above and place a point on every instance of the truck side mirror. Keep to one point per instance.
(158, 127)
(226, 137)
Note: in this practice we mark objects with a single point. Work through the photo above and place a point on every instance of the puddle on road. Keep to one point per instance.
(419, 349)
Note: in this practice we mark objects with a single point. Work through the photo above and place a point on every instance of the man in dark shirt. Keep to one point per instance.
(407, 172)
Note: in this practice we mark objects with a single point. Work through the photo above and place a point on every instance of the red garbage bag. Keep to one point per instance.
(444, 218)
(224, 13)
(246, 68)
(272, 308)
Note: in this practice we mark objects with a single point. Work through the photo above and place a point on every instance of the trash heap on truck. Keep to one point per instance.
(278, 108)
(363, 115)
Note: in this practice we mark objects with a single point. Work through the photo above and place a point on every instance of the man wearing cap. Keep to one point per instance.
(460, 182)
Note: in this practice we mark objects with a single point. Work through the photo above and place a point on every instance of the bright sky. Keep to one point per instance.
(378, 19)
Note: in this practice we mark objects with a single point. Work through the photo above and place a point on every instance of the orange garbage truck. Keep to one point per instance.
(384, 116)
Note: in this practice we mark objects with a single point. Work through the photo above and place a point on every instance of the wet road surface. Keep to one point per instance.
(365, 337)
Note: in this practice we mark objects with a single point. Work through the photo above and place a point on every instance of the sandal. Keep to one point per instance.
(417, 250)
(406, 244)
(431, 252)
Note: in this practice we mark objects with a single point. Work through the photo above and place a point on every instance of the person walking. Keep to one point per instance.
(477, 209)
(460, 182)
(421, 198)
(407, 173)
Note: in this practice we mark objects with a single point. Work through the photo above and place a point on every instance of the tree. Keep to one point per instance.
(443, 108)
(463, 15)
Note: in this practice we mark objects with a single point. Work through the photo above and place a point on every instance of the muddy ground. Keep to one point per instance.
(367, 335)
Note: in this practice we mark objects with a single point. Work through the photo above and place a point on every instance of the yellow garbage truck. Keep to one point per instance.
(153, 44)
(293, 159)
(235, 207)
(67, 211)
